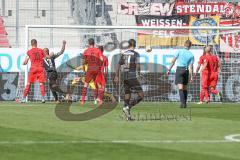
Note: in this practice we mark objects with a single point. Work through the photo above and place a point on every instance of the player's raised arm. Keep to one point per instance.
(25, 62)
(62, 50)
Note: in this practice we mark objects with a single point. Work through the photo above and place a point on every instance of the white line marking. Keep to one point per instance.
(233, 137)
(115, 142)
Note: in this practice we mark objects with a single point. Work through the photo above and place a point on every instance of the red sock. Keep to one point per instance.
(214, 91)
(202, 95)
(95, 93)
(101, 93)
(42, 89)
(27, 90)
(84, 93)
(206, 93)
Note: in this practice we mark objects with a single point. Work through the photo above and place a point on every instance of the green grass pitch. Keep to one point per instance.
(32, 131)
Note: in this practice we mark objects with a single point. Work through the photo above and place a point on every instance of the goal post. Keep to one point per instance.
(148, 43)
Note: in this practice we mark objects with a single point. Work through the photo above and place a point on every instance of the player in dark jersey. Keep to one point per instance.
(36, 56)
(129, 65)
(50, 67)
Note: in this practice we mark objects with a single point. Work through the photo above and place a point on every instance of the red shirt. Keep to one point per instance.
(208, 59)
(36, 56)
(215, 62)
(92, 57)
(201, 59)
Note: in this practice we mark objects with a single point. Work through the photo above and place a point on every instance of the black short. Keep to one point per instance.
(52, 76)
(131, 85)
(182, 76)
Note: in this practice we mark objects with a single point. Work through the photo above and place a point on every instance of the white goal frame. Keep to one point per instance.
(27, 27)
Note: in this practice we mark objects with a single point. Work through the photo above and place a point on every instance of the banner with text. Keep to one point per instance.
(146, 8)
(162, 37)
(200, 8)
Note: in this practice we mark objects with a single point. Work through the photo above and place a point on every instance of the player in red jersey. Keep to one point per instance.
(215, 70)
(93, 58)
(101, 78)
(205, 71)
(208, 69)
(204, 80)
(37, 72)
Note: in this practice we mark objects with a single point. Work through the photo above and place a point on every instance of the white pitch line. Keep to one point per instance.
(233, 137)
(114, 142)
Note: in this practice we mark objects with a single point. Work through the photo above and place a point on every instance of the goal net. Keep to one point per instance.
(156, 46)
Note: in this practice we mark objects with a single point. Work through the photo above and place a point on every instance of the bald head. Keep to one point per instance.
(208, 49)
(34, 43)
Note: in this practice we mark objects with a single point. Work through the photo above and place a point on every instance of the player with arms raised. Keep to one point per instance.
(37, 71)
(50, 67)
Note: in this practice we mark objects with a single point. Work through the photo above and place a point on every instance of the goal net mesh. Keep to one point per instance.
(156, 48)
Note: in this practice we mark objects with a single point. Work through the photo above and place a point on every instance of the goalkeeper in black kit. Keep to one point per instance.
(52, 75)
(129, 66)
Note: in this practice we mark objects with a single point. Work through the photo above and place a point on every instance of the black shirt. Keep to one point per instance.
(130, 64)
(49, 64)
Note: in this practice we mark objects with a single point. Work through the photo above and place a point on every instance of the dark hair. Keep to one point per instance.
(188, 42)
(132, 43)
(33, 42)
(91, 41)
(101, 48)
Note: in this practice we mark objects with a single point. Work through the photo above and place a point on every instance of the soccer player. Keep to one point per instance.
(101, 78)
(37, 72)
(50, 67)
(185, 60)
(216, 68)
(205, 76)
(92, 85)
(212, 64)
(130, 64)
(92, 57)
